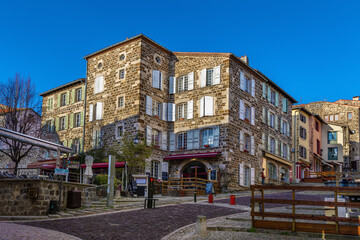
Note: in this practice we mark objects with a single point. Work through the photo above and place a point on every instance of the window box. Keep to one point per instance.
(156, 146)
(206, 146)
(246, 151)
(157, 116)
(181, 119)
(181, 148)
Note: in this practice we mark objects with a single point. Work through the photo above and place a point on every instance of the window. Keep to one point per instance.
(333, 153)
(272, 171)
(318, 145)
(155, 137)
(206, 106)
(302, 118)
(77, 119)
(156, 79)
(247, 85)
(336, 117)
(331, 118)
(62, 123)
(96, 139)
(317, 128)
(49, 126)
(332, 137)
(182, 141)
(122, 57)
(247, 141)
(284, 151)
(182, 83)
(247, 176)
(272, 145)
(50, 104)
(99, 84)
(182, 111)
(63, 99)
(349, 116)
(76, 146)
(272, 97)
(78, 95)
(302, 132)
(285, 130)
(99, 65)
(207, 138)
(155, 169)
(156, 108)
(122, 74)
(119, 131)
(209, 77)
(272, 120)
(302, 152)
(120, 102)
(248, 113)
(157, 59)
(326, 118)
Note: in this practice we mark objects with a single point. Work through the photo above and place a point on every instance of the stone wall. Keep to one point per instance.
(15, 201)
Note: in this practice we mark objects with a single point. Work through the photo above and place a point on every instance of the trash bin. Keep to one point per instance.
(73, 199)
(232, 199)
(54, 207)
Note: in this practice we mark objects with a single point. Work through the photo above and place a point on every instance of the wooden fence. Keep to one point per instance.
(338, 228)
(332, 175)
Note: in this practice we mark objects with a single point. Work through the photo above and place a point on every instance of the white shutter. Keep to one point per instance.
(264, 90)
(288, 129)
(252, 145)
(172, 142)
(161, 82)
(196, 139)
(169, 112)
(241, 140)
(148, 105)
(264, 115)
(101, 84)
(190, 106)
(242, 80)
(281, 149)
(164, 108)
(288, 152)
(268, 93)
(191, 81)
(242, 110)
(268, 118)
(276, 147)
(148, 135)
(99, 110)
(253, 87)
(216, 136)
(164, 141)
(203, 78)
(202, 100)
(172, 85)
(252, 176)
(241, 174)
(165, 167)
(173, 112)
(190, 139)
(209, 106)
(96, 85)
(263, 139)
(91, 112)
(217, 75)
(276, 122)
(252, 116)
(156, 79)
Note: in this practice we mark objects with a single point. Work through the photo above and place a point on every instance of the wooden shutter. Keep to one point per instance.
(57, 125)
(264, 90)
(252, 140)
(156, 79)
(161, 82)
(91, 113)
(253, 87)
(82, 119)
(164, 108)
(252, 116)
(190, 139)
(191, 81)
(164, 141)
(268, 93)
(217, 75)
(241, 174)
(288, 129)
(241, 140)
(172, 85)
(196, 139)
(203, 78)
(276, 147)
(268, 118)
(82, 93)
(216, 136)
(276, 99)
(264, 115)
(190, 106)
(148, 105)
(288, 151)
(59, 101)
(71, 120)
(67, 97)
(148, 135)
(66, 121)
(99, 110)
(73, 92)
(242, 110)
(172, 142)
(209, 106)
(263, 140)
(276, 122)
(202, 101)
(252, 173)
(281, 149)
(173, 112)
(242, 80)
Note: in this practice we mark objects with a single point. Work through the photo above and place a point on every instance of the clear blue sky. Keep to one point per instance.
(309, 48)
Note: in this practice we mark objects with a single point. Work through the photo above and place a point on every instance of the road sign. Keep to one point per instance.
(61, 172)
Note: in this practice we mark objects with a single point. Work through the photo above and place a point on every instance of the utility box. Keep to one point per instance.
(73, 199)
(142, 185)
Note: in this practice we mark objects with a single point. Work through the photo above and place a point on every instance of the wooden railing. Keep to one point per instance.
(177, 185)
(308, 226)
(332, 175)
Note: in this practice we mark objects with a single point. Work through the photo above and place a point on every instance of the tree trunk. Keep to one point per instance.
(16, 167)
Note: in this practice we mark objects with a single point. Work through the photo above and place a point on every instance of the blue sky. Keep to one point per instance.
(309, 48)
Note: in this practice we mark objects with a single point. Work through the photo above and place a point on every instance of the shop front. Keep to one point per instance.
(277, 170)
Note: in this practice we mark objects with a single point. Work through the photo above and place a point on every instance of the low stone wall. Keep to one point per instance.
(31, 197)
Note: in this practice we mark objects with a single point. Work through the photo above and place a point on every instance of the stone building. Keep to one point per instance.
(63, 115)
(344, 113)
(208, 115)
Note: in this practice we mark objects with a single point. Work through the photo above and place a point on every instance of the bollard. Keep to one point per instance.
(201, 225)
(194, 195)
(232, 199)
(211, 198)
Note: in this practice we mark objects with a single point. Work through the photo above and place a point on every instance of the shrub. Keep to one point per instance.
(102, 179)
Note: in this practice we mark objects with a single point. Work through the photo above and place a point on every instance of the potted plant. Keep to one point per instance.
(181, 119)
(206, 145)
(246, 121)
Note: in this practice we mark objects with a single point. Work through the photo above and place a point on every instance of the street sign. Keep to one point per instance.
(61, 172)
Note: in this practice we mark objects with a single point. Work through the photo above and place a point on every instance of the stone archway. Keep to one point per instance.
(194, 169)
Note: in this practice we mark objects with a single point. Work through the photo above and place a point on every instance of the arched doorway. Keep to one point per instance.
(194, 169)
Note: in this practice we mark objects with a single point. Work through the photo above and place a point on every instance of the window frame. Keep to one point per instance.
(337, 154)
(120, 134)
(156, 108)
(181, 139)
(209, 77)
(77, 117)
(349, 114)
(209, 137)
(181, 111)
(332, 140)
(182, 83)
(272, 145)
(247, 143)
(62, 99)
(118, 101)
(155, 168)
(156, 137)
(78, 94)
(122, 74)
(62, 123)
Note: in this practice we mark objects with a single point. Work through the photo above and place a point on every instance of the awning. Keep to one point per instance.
(195, 155)
(105, 165)
(51, 165)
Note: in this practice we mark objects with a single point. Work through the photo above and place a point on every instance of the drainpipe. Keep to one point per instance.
(83, 140)
(295, 148)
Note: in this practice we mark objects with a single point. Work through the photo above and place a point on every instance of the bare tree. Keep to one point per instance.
(18, 106)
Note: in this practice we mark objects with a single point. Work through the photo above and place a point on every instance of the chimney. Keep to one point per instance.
(356, 98)
(245, 59)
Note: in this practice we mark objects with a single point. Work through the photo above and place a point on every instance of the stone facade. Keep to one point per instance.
(346, 113)
(16, 198)
(63, 115)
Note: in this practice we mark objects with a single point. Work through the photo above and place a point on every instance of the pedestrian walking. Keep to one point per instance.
(263, 176)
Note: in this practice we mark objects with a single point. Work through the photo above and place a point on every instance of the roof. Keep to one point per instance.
(79, 80)
(203, 54)
(127, 41)
(321, 102)
(301, 107)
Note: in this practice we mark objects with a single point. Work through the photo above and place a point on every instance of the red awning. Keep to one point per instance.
(195, 155)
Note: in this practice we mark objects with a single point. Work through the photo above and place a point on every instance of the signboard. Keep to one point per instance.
(209, 188)
(73, 164)
(61, 172)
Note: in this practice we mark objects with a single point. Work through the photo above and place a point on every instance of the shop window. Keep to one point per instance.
(272, 171)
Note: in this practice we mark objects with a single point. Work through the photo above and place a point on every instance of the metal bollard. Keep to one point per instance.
(211, 198)
(201, 225)
(194, 195)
